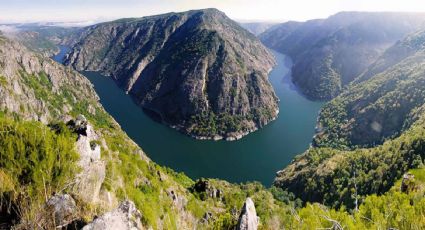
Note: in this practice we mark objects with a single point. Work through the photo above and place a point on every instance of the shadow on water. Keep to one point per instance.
(255, 157)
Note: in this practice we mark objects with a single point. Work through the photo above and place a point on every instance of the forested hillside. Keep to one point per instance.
(369, 136)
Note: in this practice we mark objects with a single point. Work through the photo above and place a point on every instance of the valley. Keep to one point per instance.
(255, 157)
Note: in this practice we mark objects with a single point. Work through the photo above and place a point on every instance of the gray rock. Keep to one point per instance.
(248, 219)
(21, 69)
(63, 208)
(126, 216)
(89, 181)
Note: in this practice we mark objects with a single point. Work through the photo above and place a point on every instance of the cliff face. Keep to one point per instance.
(330, 53)
(198, 71)
(37, 88)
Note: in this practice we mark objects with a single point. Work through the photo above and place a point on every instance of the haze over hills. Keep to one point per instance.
(330, 53)
(257, 28)
(41, 37)
(198, 71)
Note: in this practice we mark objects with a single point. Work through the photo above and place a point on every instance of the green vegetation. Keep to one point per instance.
(45, 159)
(381, 108)
(210, 124)
(35, 162)
(3, 81)
(331, 175)
(385, 114)
(323, 82)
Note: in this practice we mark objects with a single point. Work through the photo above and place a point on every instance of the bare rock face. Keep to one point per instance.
(197, 71)
(36, 87)
(63, 208)
(89, 181)
(126, 216)
(248, 220)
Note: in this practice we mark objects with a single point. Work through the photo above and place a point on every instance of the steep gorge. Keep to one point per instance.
(198, 71)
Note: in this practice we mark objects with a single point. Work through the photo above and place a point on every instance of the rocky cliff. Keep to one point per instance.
(197, 71)
(37, 88)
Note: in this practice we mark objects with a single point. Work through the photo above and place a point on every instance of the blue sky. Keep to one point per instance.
(264, 10)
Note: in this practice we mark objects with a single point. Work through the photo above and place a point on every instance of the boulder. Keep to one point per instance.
(63, 208)
(248, 219)
(126, 216)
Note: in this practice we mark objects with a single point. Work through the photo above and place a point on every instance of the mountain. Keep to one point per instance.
(197, 71)
(65, 163)
(257, 28)
(330, 53)
(368, 136)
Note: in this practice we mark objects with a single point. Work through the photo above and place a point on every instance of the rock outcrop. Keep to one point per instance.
(126, 216)
(203, 186)
(89, 181)
(63, 208)
(248, 219)
(197, 71)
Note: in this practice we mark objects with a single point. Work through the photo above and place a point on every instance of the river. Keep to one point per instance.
(255, 157)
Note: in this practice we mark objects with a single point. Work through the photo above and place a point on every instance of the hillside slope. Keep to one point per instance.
(330, 53)
(198, 71)
(370, 111)
(370, 135)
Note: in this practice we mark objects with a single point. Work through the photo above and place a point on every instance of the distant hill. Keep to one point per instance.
(257, 27)
(41, 38)
(330, 53)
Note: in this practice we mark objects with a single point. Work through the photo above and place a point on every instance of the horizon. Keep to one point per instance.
(95, 11)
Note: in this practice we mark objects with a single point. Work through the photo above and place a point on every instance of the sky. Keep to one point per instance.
(242, 10)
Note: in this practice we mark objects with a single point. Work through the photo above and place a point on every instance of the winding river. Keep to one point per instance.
(256, 157)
